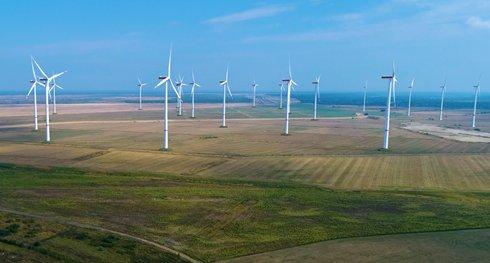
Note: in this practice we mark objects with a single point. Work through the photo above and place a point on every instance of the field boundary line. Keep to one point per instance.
(98, 228)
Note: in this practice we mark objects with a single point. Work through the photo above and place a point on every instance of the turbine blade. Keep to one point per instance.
(229, 91)
(40, 69)
(175, 90)
(33, 71)
(226, 78)
(57, 75)
(33, 86)
(169, 61)
(161, 82)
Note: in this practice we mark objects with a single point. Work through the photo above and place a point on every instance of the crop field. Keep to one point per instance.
(219, 193)
(337, 153)
(449, 246)
(219, 219)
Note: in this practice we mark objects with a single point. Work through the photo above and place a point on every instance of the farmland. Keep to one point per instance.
(218, 219)
(225, 193)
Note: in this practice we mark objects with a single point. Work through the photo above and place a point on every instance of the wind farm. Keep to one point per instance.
(249, 147)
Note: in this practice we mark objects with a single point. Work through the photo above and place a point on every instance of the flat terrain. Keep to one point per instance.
(212, 219)
(226, 193)
(449, 133)
(451, 246)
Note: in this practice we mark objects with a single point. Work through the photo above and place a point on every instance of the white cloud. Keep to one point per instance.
(437, 19)
(476, 21)
(251, 14)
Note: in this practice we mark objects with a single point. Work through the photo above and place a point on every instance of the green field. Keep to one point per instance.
(28, 239)
(219, 219)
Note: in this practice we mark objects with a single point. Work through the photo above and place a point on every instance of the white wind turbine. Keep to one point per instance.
(409, 112)
(443, 92)
(364, 100)
(226, 87)
(165, 80)
(33, 89)
(140, 85)
(53, 88)
(316, 82)
(477, 90)
(281, 89)
(193, 87)
(393, 80)
(47, 82)
(290, 82)
(254, 87)
(180, 85)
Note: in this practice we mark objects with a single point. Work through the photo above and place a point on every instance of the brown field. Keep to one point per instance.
(452, 246)
(335, 153)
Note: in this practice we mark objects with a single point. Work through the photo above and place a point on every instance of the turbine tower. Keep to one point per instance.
(140, 86)
(254, 87)
(477, 90)
(393, 80)
(165, 80)
(47, 82)
(180, 85)
(226, 87)
(409, 112)
(193, 86)
(290, 82)
(53, 88)
(33, 89)
(316, 82)
(364, 100)
(443, 92)
(281, 89)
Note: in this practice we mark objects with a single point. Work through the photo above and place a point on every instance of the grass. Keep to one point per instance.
(219, 219)
(35, 240)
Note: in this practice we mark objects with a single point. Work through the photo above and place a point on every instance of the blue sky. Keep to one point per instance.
(106, 45)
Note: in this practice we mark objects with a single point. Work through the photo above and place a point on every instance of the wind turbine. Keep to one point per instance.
(409, 112)
(290, 82)
(443, 92)
(53, 88)
(140, 86)
(254, 86)
(193, 86)
(47, 82)
(393, 80)
(316, 82)
(364, 101)
(165, 80)
(226, 87)
(180, 85)
(477, 90)
(33, 89)
(281, 88)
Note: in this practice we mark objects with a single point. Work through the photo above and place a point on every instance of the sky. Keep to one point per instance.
(106, 45)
